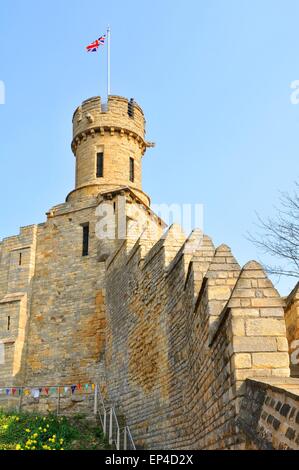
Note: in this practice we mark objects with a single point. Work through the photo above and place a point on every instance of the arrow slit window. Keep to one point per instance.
(100, 164)
(132, 170)
(85, 240)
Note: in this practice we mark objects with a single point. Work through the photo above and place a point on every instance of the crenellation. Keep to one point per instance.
(191, 349)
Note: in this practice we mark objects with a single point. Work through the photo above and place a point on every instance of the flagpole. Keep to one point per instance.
(108, 62)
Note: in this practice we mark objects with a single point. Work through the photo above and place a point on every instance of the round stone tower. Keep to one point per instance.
(108, 144)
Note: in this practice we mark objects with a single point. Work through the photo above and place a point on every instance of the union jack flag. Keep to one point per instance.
(93, 47)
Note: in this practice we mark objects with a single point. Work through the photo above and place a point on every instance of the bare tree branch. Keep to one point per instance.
(279, 236)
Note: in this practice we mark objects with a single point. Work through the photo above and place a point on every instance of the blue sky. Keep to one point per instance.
(213, 78)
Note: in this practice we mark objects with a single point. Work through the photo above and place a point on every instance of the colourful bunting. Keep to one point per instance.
(37, 391)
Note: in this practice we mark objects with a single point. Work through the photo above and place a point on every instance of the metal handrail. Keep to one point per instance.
(128, 442)
(112, 439)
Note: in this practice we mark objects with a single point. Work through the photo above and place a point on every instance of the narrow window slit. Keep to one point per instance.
(100, 165)
(85, 240)
(132, 170)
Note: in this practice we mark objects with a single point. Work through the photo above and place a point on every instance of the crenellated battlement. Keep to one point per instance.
(108, 143)
(192, 347)
(192, 317)
(119, 116)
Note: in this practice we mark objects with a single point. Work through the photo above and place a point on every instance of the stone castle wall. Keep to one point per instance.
(269, 414)
(185, 331)
(17, 267)
(292, 324)
(183, 341)
(64, 324)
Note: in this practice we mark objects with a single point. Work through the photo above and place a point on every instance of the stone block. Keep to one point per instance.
(246, 312)
(238, 327)
(219, 293)
(272, 312)
(242, 361)
(270, 360)
(265, 327)
(242, 374)
(267, 302)
(282, 344)
(254, 344)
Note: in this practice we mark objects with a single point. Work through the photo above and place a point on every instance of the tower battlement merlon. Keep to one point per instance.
(119, 112)
(108, 144)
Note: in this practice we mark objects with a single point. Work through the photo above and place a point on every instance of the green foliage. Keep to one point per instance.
(24, 431)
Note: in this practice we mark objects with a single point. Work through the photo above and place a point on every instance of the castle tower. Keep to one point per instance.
(108, 144)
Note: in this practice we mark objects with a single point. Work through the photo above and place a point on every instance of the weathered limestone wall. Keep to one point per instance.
(57, 317)
(292, 324)
(185, 330)
(17, 264)
(269, 414)
(136, 359)
(65, 338)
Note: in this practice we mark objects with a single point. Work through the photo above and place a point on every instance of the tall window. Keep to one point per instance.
(8, 323)
(132, 169)
(85, 239)
(20, 259)
(100, 165)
